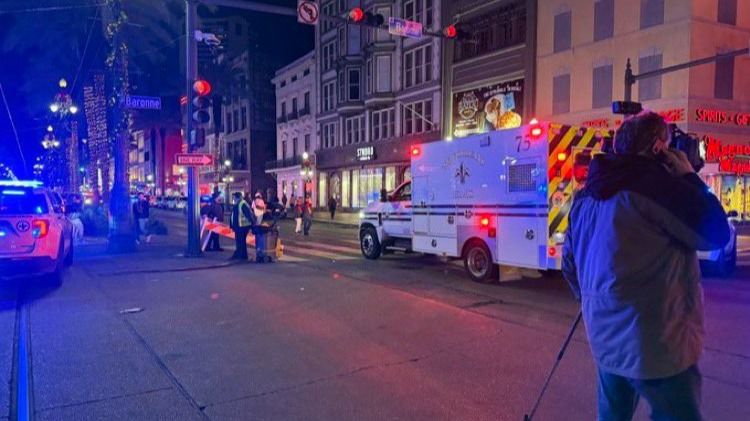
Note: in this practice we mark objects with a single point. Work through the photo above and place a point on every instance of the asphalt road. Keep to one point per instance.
(321, 335)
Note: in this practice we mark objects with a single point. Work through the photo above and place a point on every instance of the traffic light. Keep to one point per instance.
(201, 114)
(359, 16)
(454, 31)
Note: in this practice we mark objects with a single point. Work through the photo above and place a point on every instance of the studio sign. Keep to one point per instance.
(366, 153)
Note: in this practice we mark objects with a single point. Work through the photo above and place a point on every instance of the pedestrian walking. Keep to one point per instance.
(298, 205)
(242, 220)
(215, 212)
(141, 215)
(332, 206)
(630, 258)
(284, 199)
(307, 215)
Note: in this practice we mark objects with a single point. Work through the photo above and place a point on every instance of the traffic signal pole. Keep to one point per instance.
(191, 63)
(631, 78)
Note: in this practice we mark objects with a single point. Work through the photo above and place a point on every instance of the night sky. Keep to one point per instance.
(34, 56)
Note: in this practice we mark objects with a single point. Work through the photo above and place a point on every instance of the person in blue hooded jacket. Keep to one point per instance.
(630, 258)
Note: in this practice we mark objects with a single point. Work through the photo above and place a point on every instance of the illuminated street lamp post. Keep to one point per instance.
(63, 109)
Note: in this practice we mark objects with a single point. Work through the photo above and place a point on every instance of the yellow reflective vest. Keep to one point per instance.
(243, 220)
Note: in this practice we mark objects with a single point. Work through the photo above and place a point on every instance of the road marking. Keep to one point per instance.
(22, 375)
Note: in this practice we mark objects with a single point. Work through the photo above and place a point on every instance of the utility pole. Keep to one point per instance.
(191, 69)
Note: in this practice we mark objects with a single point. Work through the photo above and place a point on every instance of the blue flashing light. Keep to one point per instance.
(14, 192)
(3, 233)
(38, 210)
(36, 232)
(21, 183)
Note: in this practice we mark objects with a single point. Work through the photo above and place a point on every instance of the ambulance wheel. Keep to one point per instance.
(369, 243)
(478, 263)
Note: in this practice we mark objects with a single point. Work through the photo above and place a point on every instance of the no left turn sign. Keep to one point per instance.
(307, 12)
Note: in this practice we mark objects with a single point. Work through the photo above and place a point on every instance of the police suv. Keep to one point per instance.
(35, 234)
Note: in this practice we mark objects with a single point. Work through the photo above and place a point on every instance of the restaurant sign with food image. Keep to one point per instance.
(488, 108)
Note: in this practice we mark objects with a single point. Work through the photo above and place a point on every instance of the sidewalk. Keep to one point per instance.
(345, 219)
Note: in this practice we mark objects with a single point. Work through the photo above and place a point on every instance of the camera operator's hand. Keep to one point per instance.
(677, 162)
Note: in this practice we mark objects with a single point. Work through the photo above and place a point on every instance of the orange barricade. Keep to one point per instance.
(224, 230)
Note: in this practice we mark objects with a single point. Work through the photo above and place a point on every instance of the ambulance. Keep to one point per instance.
(498, 198)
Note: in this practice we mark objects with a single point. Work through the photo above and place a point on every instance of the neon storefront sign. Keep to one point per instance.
(731, 158)
(732, 118)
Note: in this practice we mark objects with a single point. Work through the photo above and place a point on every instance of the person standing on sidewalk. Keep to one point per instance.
(259, 206)
(141, 215)
(307, 215)
(215, 212)
(242, 220)
(630, 258)
(332, 206)
(298, 206)
(284, 200)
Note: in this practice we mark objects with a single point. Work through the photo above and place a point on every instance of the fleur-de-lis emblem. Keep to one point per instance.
(462, 173)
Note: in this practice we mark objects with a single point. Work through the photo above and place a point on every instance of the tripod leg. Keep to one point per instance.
(530, 415)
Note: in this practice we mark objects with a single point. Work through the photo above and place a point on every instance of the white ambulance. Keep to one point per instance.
(496, 198)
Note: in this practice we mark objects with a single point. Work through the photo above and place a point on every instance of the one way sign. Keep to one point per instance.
(194, 159)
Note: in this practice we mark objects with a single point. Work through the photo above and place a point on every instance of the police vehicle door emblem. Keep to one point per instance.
(530, 234)
(23, 226)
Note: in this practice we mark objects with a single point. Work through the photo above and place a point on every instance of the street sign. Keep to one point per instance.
(194, 159)
(307, 12)
(137, 102)
(404, 28)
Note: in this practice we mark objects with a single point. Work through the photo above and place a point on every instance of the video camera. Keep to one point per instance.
(688, 144)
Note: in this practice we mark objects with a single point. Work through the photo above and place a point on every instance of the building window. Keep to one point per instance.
(283, 83)
(382, 124)
(307, 101)
(355, 188)
(370, 80)
(283, 109)
(342, 40)
(354, 130)
(342, 87)
(329, 55)
(322, 188)
(724, 79)
(243, 121)
(495, 31)
(604, 19)
(228, 123)
(345, 191)
(418, 66)
(354, 82)
(328, 9)
(649, 88)
(306, 72)
(390, 179)
(294, 148)
(294, 79)
(419, 10)
(307, 143)
(652, 13)
(283, 149)
(329, 135)
(561, 94)
(562, 32)
(602, 89)
(727, 12)
(417, 117)
(294, 105)
(329, 100)
(236, 117)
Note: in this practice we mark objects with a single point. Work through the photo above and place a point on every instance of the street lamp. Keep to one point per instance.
(227, 163)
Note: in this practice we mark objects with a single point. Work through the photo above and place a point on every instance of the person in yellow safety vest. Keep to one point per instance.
(242, 221)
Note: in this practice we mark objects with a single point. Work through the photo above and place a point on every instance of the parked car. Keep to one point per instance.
(35, 234)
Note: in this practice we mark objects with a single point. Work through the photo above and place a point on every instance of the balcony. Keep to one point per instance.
(281, 119)
(287, 162)
(292, 116)
(305, 111)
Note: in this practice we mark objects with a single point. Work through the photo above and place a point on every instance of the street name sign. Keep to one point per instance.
(194, 159)
(308, 12)
(137, 102)
(404, 28)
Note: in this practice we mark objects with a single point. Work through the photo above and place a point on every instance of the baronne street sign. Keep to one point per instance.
(194, 159)
(137, 102)
(404, 28)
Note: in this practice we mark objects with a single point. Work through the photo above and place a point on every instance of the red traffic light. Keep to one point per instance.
(450, 31)
(415, 151)
(356, 14)
(201, 87)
